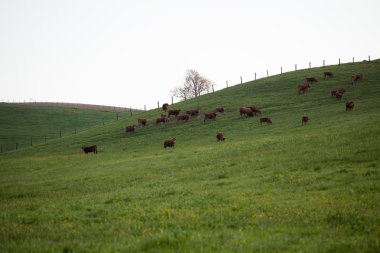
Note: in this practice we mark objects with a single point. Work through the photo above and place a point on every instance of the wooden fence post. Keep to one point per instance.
(339, 62)
(295, 67)
(144, 107)
(309, 65)
(255, 76)
(158, 104)
(369, 58)
(267, 73)
(130, 111)
(241, 80)
(227, 83)
(323, 63)
(117, 116)
(281, 70)
(353, 59)
(212, 88)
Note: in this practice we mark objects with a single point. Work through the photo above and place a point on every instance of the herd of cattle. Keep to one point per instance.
(250, 111)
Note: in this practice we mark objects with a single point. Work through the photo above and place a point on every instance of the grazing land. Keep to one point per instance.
(280, 187)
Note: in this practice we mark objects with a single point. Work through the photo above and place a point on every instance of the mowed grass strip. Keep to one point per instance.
(267, 188)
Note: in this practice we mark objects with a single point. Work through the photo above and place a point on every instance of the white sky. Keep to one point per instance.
(133, 53)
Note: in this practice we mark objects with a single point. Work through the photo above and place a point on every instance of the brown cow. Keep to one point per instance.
(90, 149)
(211, 115)
(165, 107)
(305, 120)
(193, 113)
(311, 79)
(219, 109)
(255, 110)
(130, 128)
(173, 112)
(333, 92)
(338, 95)
(303, 88)
(328, 74)
(169, 143)
(162, 120)
(265, 120)
(185, 117)
(350, 106)
(246, 111)
(141, 122)
(220, 136)
(356, 78)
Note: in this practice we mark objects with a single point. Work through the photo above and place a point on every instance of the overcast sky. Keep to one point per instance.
(133, 53)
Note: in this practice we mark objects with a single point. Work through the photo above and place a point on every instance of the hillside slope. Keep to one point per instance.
(268, 188)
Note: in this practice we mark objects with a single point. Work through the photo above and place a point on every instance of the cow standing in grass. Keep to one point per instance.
(169, 143)
(165, 107)
(246, 111)
(219, 110)
(350, 106)
(90, 149)
(220, 136)
(193, 113)
(328, 74)
(175, 113)
(265, 120)
(185, 117)
(130, 128)
(162, 120)
(304, 120)
(303, 88)
(142, 122)
(211, 115)
(356, 78)
(311, 79)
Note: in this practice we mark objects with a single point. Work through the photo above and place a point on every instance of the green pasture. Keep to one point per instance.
(268, 188)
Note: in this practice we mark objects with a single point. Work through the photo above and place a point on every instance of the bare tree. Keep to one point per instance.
(194, 85)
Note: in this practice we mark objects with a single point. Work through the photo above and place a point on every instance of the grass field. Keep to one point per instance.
(268, 188)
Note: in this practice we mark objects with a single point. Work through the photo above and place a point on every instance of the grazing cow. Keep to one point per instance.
(169, 143)
(255, 110)
(90, 149)
(303, 88)
(333, 92)
(328, 74)
(185, 117)
(193, 113)
(220, 136)
(130, 128)
(162, 120)
(141, 122)
(246, 111)
(350, 106)
(265, 120)
(356, 78)
(219, 109)
(311, 80)
(165, 107)
(175, 113)
(211, 115)
(338, 95)
(305, 120)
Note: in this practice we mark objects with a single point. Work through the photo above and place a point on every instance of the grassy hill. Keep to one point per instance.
(268, 188)
(27, 124)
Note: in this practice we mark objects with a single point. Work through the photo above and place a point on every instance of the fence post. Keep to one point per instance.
(212, 88)
(309, 65)
(369, 58)
(255, 76)
(117, 116)
(130, 111)
(323, 63)
(144, 107)
(353, 59)
(172, 99)
(295, 67)
(241, 80)
(281, 70)
(339, 62)
(158, 104)
(227, 83)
